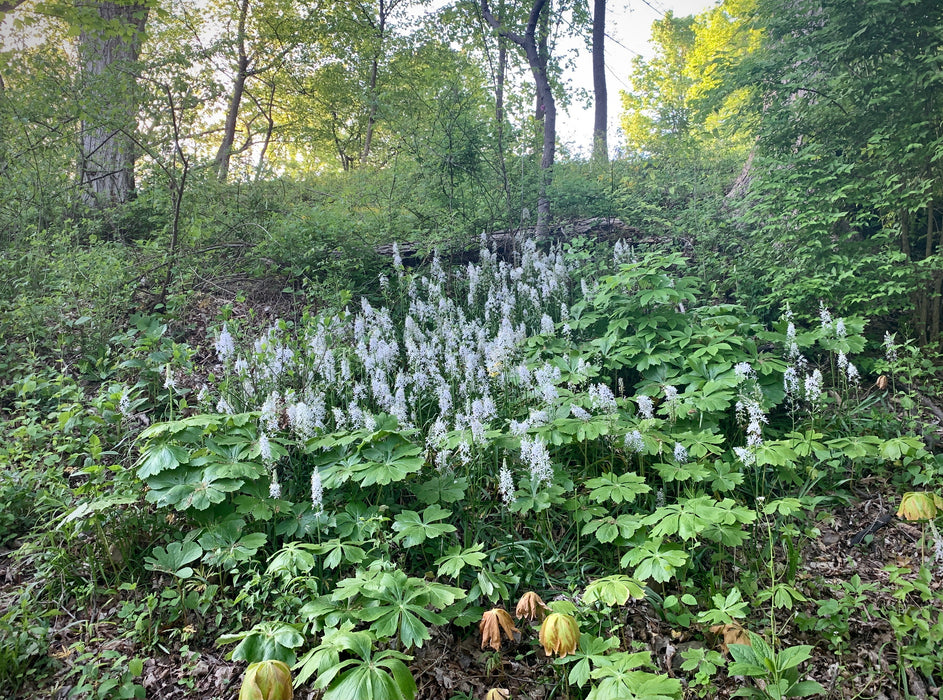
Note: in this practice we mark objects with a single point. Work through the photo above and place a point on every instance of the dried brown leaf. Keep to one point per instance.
(733, 633)
(531, 607)
(493, 623)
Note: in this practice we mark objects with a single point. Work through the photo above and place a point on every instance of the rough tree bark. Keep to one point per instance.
(601, 121)
(107, 53)
(546, 106)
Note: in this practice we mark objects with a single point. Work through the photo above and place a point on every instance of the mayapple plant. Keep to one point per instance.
(559, 634)
(267, 680)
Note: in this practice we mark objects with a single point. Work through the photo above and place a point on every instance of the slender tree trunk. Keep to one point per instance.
(269, 130)
(224, 154)
(372, 86)
(905, 233)
(109, 122)
(601, 121)
(547, 109)
(499, 117)
(372, 112)
(928, 249)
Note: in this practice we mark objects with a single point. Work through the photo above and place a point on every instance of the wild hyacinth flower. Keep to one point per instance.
(680, 453)
(222, 406)
(813, 388)
(169, 381)
(506, 484)
(546, 325)
(745, 455)
(274, 488)
(825, 317)
(265, 449)
(602, 399)
(890, 349)
(852, 374)
(791, 383)
(842, 361)
(545, 378)
(579, 412)
(635, 442)
(317, 492)
(534, 453)
(645, 406)
(124, 402)
(840, 330)
(225, 346)
(269, 413)
(743, 370)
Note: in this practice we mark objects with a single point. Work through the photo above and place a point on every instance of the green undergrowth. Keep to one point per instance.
(331, 490)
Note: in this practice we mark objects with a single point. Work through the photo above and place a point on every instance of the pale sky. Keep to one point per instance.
(629, 24)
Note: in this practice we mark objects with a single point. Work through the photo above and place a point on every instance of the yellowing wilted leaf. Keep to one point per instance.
(498, 694)
(559, 634)
(918, 505)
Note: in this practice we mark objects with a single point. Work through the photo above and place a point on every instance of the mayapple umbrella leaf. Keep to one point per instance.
(267, 680)
(493, 623)
(559, 634)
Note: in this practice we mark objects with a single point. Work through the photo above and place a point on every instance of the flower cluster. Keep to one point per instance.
(440, 363)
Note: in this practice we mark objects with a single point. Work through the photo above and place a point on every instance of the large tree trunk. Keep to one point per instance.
(601, 122)
(546, 106)
(107, 56)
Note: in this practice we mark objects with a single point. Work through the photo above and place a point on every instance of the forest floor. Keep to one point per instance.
(451, 665)
(857, 662)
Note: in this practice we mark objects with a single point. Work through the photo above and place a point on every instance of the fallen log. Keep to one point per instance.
(506, 241)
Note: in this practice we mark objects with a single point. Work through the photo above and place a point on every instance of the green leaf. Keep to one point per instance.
(160, 457)
(441, 489)
(613, 590)
(621, 488)
(456, 558)
(266, 641)
(791, 657)
(174, 559)
(414, 529)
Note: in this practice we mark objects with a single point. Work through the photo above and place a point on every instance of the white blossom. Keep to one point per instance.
(602, 398)
(813, 387)
(645, 406)
(317, 491)
(265, 449)
(225, 346)
(506, 484)
(579, 412)
(534, 453)
(635, 442)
